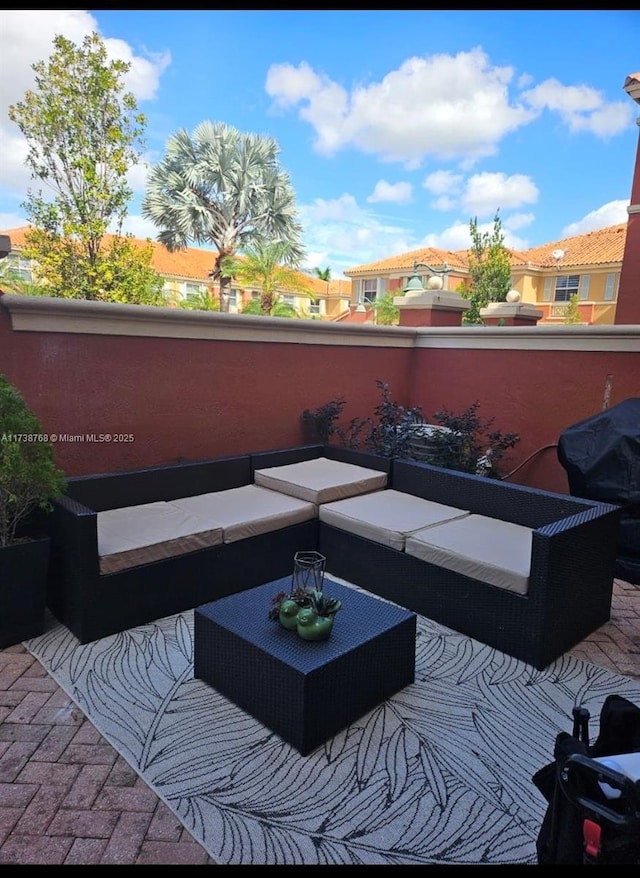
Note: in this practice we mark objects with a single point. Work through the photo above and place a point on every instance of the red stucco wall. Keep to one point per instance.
(184, 399)
(536, 394)
(187, 399)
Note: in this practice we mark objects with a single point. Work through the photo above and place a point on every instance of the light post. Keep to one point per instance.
(415, 286)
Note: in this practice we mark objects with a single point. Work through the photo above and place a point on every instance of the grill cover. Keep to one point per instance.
(601, 456)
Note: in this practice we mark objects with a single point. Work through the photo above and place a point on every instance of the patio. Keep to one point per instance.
(67, 797)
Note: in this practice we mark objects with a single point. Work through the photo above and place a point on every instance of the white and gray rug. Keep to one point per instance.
(440, 773)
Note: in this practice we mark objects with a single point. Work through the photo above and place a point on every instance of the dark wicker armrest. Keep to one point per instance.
(572, 570)
(74, 567)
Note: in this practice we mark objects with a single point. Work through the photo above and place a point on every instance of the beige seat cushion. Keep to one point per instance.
(246, 511)
(386, 517)
(321, 480)
(493, 551)
(135, 535)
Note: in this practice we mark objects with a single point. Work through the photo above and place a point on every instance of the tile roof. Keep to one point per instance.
(403, 262)
(195, 264)
(601, 247)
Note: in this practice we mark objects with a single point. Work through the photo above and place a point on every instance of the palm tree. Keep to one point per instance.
(324, 274)
(224, 188)
(266, 265)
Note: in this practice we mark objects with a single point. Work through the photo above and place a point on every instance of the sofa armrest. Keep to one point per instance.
(572, 572)
(74, 566)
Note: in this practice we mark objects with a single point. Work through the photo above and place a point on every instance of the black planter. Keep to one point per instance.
(23, 590)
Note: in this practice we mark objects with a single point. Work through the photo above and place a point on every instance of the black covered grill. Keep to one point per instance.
(601, 456)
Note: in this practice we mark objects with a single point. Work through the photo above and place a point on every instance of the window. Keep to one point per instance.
(233, 298)
(19, 267)
(567, 286)
(610, 287)
(192, 291)
(369, 288)
(314, 307)
(289, 300)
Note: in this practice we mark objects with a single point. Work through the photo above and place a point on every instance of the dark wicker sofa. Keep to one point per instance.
(572, 565)
(569, 590)
(94, 605)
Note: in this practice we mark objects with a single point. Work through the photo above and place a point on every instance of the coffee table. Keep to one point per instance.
(305, 691)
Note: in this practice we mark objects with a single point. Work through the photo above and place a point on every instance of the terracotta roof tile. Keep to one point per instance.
(594, 248)
(600, 247)
(403, 262)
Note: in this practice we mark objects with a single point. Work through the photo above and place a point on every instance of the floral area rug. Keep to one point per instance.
(439, 773)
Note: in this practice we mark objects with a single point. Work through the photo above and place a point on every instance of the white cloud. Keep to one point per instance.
(398, 193)
(137, 176)
(448, 106)
(288, 85)
(517, 221)
(352, 235)
(139, 227)
(580, 107)
(26, 37)
(609, 214)
(442, 182)
(486, 193)
(458, 237)
(444, 203)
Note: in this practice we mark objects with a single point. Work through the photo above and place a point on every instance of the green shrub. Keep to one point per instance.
(29, 478)
(460, 441)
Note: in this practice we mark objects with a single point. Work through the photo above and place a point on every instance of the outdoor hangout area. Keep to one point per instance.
(526, 571)
(468, 614)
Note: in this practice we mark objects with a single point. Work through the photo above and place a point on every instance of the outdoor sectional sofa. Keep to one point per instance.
(526, 571)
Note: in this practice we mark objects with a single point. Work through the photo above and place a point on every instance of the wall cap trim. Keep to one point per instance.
(42, 314)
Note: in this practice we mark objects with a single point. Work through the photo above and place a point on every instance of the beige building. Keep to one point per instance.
(186, 277)
(546, 277)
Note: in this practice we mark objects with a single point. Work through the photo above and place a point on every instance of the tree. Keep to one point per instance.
(224, 188)
(572, 314)
(324, 274)
(386, 313)
(489, 269)
(201, 301)
(84, 134)
(265, 265)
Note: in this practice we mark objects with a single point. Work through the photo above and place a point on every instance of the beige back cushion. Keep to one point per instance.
(321, 480)
(386, 516)
(494, 551)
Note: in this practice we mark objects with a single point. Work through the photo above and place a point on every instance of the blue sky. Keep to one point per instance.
(396, 128)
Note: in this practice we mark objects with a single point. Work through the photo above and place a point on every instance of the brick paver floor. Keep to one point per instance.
(67, 797)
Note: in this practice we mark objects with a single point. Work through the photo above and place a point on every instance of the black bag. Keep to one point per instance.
(582, 824)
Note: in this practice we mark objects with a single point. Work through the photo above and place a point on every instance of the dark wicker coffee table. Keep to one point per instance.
(305, 691)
